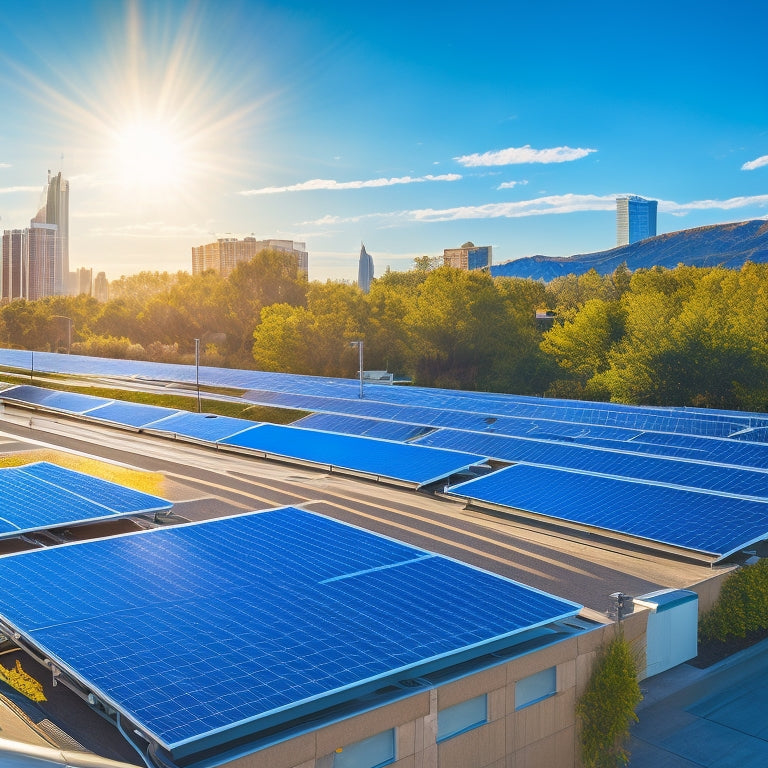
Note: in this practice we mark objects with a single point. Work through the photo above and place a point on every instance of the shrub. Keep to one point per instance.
(742, 606)
(607, 706)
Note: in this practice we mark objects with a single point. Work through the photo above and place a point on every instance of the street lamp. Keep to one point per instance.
(359, 345)
(69, 329)
(197, 372)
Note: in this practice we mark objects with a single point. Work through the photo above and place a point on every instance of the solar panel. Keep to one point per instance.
(203, 633)
(203, 426)
(129, 414)
(43, 495)
(670, 471)
(353, 425)
(692, 520)
(71, 402)
(378, 458)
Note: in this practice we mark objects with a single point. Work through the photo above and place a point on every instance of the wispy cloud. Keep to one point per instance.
(680, 209)
(512, 184)
(153, 230)
(5, 165)
(331, 184)
(526, 154)
(11, 190)
(758, 162)
(540, 206)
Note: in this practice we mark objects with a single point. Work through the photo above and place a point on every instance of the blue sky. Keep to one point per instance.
(409, 126)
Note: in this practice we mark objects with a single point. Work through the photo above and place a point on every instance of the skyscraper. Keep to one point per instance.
(226, 253)
(635, 219)
(469, 256)
(364, 270)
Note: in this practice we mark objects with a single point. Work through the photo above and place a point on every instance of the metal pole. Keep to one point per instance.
(197, 372)
(69, 335)
(360, 355)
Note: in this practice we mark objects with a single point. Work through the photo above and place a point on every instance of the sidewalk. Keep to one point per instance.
(705, 718)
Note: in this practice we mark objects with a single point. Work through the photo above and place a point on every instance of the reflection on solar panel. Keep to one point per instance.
(696, 521)
(353, 425)
(42, 495)
(129, 414)
(693, 421)
(669, 471)
(379, 458)
(71, 402)
(203, 426)
(203, 633)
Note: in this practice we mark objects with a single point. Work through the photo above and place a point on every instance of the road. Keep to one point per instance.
(204, 482)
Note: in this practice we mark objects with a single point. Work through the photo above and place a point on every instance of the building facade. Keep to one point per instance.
(635, 219)
(35, 261)
(224, 254)
(364, 270)
(101, 288)
(469, 256)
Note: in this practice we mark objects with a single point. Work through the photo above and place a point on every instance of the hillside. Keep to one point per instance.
(728, 245)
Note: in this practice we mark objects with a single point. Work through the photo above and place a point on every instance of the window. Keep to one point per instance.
(454, 720)
(374, 752)
(540, 686)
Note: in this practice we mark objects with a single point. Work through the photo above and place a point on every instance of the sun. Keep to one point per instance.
(150, 155)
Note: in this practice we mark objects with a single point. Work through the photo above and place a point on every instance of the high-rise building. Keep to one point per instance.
(35, 261)
(469, 256)
(364, 270)
(101, 288)
(13, 275)
(635, 219)
(224, 254)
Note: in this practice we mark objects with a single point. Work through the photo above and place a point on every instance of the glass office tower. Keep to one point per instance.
(635, 219)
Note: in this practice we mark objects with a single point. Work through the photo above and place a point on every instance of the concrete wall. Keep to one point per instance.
(541, 735)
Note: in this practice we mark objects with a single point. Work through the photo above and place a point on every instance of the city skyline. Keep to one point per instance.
(411, 130)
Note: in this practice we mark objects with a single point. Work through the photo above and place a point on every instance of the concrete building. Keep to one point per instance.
(635, 219)
(36, 260)
(224, 254)
(469, 256)
(101, 288)
(364, 270)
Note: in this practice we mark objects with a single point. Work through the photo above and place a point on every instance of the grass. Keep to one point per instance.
(152, 483)
(238, 410)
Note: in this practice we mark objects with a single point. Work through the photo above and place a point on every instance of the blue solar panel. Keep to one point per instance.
(379, 458)
(657, 469)
(353, 425)
(692, 520)
(42, 495)
(203, 426)
(71, 402)
(202, 633)
(129, 414)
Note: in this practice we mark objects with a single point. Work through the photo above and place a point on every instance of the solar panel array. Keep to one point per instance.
(203, 633)
(706, 523)
(42, 495)
(383, 458)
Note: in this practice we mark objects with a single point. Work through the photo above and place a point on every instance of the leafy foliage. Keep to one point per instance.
(607, 706)
(741, 607)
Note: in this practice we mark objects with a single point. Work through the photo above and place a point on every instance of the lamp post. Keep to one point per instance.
(359, 345)
(197, 372)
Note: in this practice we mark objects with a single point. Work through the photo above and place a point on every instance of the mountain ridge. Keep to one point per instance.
(729, 245)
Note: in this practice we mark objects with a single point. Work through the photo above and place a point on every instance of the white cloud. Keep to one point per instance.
(526, 154)
(540, 206)
(331, 184)
(5, 165)
(511, 184)
(11, 190)
(756, 163)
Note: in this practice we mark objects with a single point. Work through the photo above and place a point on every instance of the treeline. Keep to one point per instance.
(687, 336)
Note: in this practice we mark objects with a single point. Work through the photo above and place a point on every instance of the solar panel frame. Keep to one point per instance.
(699, 522)
(210, 631)
(208, 427)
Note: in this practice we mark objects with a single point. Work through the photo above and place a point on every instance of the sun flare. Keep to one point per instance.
(151, 156)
